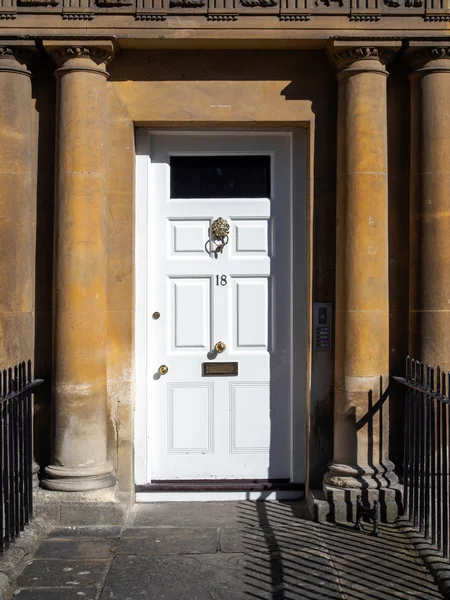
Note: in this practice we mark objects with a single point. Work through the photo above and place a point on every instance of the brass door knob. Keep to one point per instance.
(163, 369)
(220, 347)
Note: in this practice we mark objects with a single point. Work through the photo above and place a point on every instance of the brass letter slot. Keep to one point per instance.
(219, 369)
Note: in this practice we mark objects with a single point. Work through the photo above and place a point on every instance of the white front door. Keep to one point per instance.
(219, 414)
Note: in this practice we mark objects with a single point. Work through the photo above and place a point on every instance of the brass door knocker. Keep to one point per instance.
(220, 230)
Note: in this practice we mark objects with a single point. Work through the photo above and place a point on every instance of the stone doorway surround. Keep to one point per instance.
(95, 115)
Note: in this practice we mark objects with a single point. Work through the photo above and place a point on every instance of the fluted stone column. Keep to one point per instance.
(429, 306)
(80, 428)
(361, 412)
(16, 205)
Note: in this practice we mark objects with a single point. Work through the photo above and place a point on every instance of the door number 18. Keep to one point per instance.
(221, 280)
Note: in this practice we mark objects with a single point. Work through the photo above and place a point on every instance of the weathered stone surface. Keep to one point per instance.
(95, 513)
(80, 413)
(361, 406)
(84, 531)
(186, 514)
(76, 549)
(178, 577)
(173, 540)
(63, 573)
(57, 594)
(429, 317)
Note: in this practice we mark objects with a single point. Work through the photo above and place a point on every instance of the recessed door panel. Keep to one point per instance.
(190, 299)
(251, 312)
(190, 403)
(251, 237)
(248, 400)
(188, 238)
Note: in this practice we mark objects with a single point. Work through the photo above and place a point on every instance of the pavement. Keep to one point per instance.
(225, 551)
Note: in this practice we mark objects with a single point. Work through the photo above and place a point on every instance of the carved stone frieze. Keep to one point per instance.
(37, 2)
(330, 3)
(113, 3)
(187, 3)
(261, 3)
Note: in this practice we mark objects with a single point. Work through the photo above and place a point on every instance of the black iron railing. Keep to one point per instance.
(16, 445)
(426, 452)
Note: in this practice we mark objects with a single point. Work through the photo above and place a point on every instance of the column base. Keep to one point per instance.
(338, 505)
(361, 477)
(76, 479)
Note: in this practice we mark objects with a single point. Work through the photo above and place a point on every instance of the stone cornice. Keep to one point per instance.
(368, 12)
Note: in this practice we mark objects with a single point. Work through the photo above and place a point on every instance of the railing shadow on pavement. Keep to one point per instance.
(288, 557)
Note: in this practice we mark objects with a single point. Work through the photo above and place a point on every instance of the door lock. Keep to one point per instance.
(163, 370)
(220, 347)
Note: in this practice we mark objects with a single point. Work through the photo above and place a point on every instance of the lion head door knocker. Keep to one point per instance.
(220, 230)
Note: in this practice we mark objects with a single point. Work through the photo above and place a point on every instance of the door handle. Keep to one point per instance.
(163, 370)
(220, 347)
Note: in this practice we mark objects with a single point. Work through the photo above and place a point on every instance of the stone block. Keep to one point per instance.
(81, 513)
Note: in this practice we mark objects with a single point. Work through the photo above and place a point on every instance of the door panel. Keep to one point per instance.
(221, 426)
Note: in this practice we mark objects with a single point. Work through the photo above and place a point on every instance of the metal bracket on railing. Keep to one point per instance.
(366, 511)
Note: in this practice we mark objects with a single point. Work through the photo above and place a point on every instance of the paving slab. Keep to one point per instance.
(63, 573)
(76, 549)
(176, 540)
(57, 594)
(186, 577)
(85, 531)
(266, 539)
(185, 514)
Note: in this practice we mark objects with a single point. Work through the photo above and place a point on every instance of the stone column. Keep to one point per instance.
(80, 430)
(16, 205)
(429, 299)
(361, 411)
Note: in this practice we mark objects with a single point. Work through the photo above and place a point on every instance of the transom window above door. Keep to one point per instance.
(220, 176)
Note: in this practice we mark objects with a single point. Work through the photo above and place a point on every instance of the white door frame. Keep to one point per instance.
(143, 268)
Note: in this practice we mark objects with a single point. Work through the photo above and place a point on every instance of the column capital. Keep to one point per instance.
(87, 55)
(425, 56)
(367, 55)
(17, 56)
